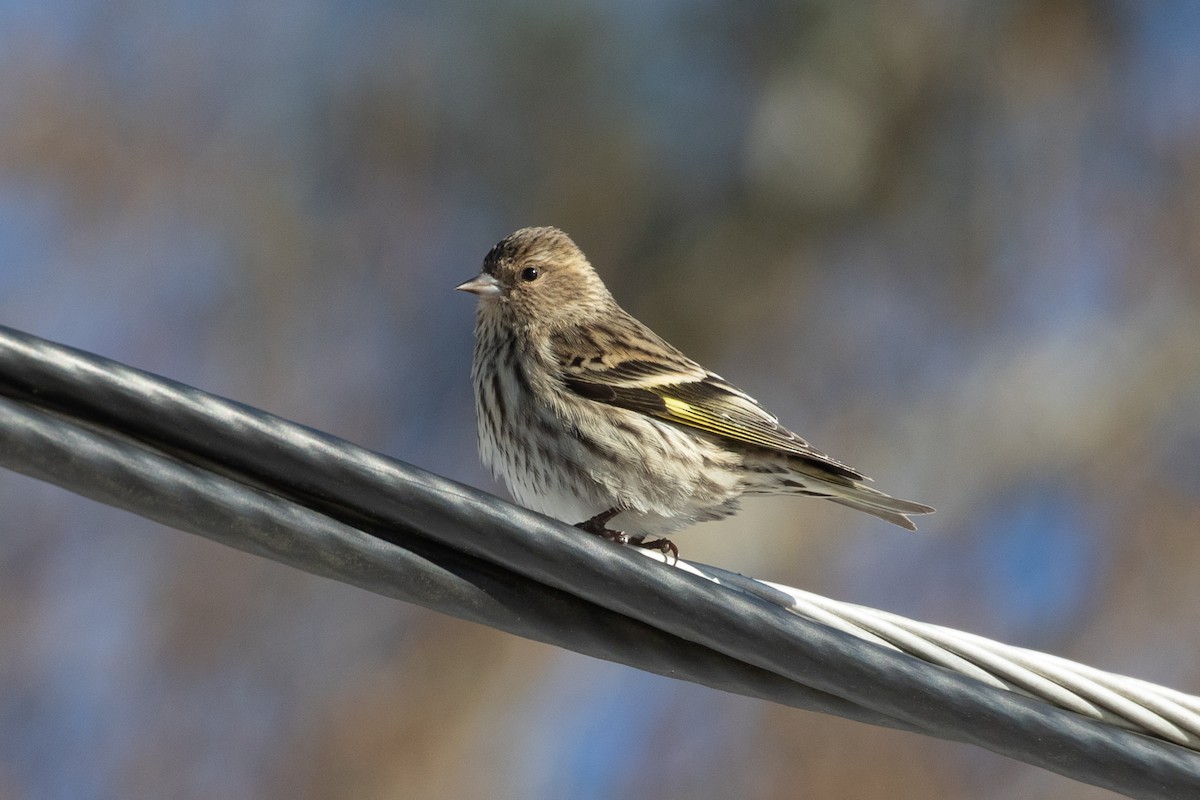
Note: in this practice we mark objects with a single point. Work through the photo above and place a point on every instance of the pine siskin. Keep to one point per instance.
(589, 415)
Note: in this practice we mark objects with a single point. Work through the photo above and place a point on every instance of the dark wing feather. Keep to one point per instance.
(653, 378)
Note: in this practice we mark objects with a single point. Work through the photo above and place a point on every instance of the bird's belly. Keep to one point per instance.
(575, 467)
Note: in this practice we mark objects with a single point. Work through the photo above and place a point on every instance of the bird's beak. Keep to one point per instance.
(482, 284)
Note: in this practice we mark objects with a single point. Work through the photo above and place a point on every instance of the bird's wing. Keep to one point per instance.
(643, 373)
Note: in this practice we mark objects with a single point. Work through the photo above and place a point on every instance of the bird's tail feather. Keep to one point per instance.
(894, 517)
(842, 490)
(878, 504)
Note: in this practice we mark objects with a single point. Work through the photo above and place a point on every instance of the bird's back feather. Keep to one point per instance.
(626, 365)
(664, 383)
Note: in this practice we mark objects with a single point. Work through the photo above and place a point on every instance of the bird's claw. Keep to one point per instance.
(664, 546)
(598, 525)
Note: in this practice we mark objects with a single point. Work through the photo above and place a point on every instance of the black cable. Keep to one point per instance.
(417, 509)
(127, 474)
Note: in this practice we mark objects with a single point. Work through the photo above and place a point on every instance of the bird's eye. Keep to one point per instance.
(530, 274)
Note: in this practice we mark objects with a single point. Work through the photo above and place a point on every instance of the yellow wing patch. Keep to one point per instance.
(704, 419)
(678, 407)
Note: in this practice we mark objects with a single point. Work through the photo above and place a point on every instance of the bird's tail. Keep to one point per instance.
(878, 504)
(845, 487)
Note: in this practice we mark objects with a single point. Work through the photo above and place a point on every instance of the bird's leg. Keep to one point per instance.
(598, 523)
(664, 546)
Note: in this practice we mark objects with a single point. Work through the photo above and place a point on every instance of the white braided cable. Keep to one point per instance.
(1125, 702)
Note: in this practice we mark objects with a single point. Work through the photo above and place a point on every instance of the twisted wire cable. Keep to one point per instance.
(1129, 703)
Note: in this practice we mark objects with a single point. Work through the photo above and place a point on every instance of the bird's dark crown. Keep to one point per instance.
(529, 244)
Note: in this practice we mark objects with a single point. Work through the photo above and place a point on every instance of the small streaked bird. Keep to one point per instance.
(592, 418)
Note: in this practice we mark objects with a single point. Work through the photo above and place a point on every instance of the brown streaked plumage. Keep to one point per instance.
(591, 417)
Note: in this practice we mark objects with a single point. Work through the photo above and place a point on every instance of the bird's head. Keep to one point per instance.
(538, 275)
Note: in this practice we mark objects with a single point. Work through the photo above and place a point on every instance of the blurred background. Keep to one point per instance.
(954, 244)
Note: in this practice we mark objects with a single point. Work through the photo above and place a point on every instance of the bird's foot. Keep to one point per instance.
(664, 546)
(598, 525)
